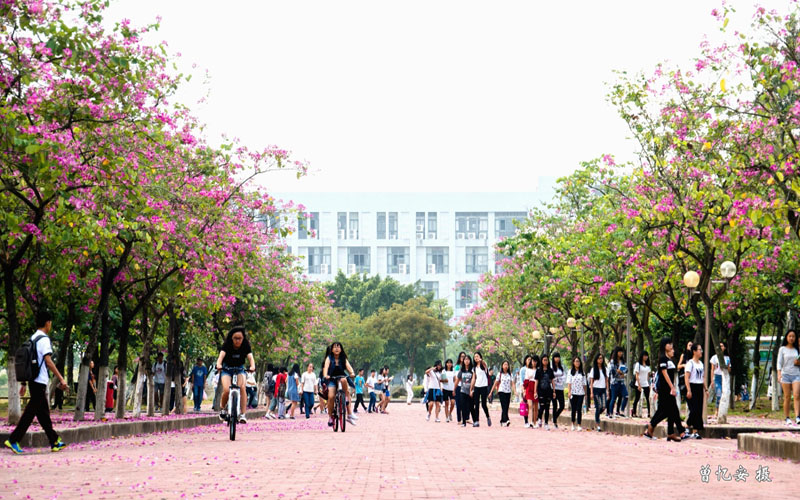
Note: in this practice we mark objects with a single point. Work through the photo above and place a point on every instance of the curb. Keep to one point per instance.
(769, 445)
(99, 432)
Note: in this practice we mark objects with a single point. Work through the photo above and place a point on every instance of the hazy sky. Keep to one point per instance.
(424, 95)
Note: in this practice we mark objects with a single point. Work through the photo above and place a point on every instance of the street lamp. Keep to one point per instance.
(691, 279)
(547, 338)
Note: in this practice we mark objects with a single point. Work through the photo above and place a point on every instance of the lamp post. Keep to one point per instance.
(691, 279)
(571, 326)
(553, 330)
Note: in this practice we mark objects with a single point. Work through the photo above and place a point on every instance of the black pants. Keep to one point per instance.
(544, 408)
(558, 405)
(467, 408)
(576, 407)
(457, 397)
(91, 400)
(646, 391)
(505, 401)
(359, 400)
(39, 408)
(667, 409)
(481, 393)
(695, 420)
(58, 399)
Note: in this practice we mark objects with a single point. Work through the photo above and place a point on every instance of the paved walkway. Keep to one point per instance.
(387, 456)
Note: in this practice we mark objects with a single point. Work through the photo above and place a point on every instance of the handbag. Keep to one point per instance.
(523, 409)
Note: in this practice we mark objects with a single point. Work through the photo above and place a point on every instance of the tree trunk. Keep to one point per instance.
(151, 396)
(137, 391)
(83, 385)
(71, 367)
(14, 408)
(122, 362)
(173, 359)
(102, 377)
(776, 389)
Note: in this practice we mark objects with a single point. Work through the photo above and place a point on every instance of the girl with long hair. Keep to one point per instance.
(545, 388)
(598, 379)
(235, 352)
(619, 392)
(448, 389)
(464, 386)
(530, 391)
(292, 392)
(457, 393)
(667, 405)
(641, 373)
(480, 385)
(504, 383)
(577, 391)
(789, 374)
(337, 365)
(559, 382)
(694, 375)
(434, 384)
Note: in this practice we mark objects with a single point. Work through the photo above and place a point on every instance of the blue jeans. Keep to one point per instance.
(717, 389)
(197, 395)
(252, 396)
(371, 406)
(599, 402)
(308, 401)
(619, 393)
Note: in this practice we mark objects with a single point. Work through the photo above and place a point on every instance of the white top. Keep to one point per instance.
(251, 379)
(371, 384)
(450, 384)
(786, 358)
(715, 361)
(695, 371)
(530, 375)
(309, 382)
(432, 380)
(43, 348)
(600, 383)
(481, 378)
(560, 378)
(505, 383)
(577, 384)
(643, 372)
(160, 372)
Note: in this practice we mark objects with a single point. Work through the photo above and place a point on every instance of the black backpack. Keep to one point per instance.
(26, 361)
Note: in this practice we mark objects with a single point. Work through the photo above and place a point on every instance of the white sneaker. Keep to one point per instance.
(572, 427)
(437, 420)
(242, 419)
(788, 421)
(797, 421)
(540, 424)
(428, 417)
(351, 420)
(546, 427)
(527, 425)
(355, 417)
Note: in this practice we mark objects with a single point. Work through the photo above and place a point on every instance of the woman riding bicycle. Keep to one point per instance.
(336, 365)
(235, 351)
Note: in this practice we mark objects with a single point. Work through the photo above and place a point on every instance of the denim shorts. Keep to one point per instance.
(231, 371)
(789, 378)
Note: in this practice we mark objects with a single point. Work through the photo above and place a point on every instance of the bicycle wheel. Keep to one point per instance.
(234, 414)
(342, 409)
(335, 417)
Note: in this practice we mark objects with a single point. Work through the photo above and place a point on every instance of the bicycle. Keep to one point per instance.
(233, 400)
(339, 405)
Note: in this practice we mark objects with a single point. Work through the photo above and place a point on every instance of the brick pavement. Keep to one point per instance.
(396, 456)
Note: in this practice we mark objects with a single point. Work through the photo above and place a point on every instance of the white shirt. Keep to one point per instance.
(560, 376)
(432, 380)
(371, 384)
(600, 383)
(695, 370)
(643, 372)
(505, 383)
(449, 384)
(481, 378)
(530, 374)
(309, 381)
(159, 372)
(786, 357)
(43, 348)
(715, 361)
(577, 384)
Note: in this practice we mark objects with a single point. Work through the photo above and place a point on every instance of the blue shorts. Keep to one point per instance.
(232, 370)
(788, 378)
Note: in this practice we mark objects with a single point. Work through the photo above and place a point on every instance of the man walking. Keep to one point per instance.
(199, 374)
(38, 405)
(359, 383)
(159, 379)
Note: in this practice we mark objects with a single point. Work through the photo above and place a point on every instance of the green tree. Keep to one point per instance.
(367, 295)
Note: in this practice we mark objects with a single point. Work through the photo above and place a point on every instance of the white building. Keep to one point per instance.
(444, 240)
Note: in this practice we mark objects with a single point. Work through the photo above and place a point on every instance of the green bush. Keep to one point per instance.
(400, 392)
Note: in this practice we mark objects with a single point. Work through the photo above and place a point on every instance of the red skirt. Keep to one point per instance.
(530, 392)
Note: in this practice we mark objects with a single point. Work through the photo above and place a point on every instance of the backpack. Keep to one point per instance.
(26, 361)
(282, 389)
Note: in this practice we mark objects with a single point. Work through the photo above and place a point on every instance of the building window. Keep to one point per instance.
(431, 287)
(341, 225)
(504, 223)
(437, 260)
(477, 259)
(420, 225)
(472, 225)
(353, 234)
(358, 260)
(397, 260)
(432, 226)
(393, 231)
(381, 225)
(308, 227)
(319, 260)
(467, 295)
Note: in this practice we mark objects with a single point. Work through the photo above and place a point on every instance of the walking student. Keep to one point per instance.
(545, 389)
(409, 389)
(577, 391)
(159, 379)
(38, 405)
(693, 372)
(434, 384)
(481, 390)
(789, 374)
(530, 390)
(199, 374)
(619, 392)
(448, 388)
(641, 373)
(464, 386)
(457, 369)
(309, 384)
(667, 404)
(359, 383)
(371, 383)
(559, 381)
(598, 379)
(505, 387)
